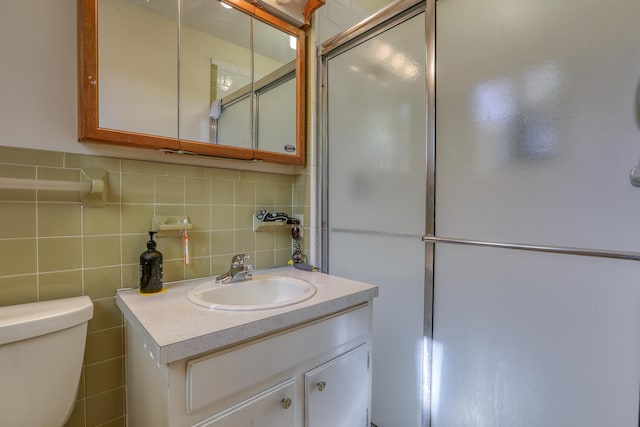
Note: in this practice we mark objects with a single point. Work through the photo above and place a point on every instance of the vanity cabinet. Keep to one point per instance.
(314, 374)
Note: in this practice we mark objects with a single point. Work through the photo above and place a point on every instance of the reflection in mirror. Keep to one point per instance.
(276, 112)
(215, 61)
(272, 49)
(220, 67)
(138, 66)
(232, 127)
(275, 89)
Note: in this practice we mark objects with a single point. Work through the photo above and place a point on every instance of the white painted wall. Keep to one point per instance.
(38, 75)
(38, 87)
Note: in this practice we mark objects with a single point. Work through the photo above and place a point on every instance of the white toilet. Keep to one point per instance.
(41, 353)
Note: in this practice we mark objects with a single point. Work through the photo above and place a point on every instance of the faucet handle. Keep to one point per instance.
(238, 260)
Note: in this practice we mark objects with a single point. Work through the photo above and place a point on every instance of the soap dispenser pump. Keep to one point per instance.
(151, 268)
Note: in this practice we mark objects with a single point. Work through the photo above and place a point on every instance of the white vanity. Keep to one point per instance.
(306, 364)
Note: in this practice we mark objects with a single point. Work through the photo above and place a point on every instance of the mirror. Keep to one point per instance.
(216, 60)
(192, 75)
(137, 67)
(275, 88)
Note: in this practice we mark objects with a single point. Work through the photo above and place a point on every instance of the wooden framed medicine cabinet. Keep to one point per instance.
(224, 79)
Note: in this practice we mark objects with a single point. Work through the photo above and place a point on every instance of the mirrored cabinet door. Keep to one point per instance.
(215, 63)
(138, 66)
(276, 131)
(275, 89)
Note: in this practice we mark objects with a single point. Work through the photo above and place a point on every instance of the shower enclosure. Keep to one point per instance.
(507, 253)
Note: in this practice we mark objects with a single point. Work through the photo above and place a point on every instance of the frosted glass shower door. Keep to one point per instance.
(528, 339)
(536, 134)
(375, 136)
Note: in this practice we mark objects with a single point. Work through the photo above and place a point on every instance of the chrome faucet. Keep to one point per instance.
(238, 271)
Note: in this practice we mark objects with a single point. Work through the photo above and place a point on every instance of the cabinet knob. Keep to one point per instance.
(286, 403)
(321, 385)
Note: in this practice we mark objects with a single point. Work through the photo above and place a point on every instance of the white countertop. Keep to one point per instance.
(178, 329)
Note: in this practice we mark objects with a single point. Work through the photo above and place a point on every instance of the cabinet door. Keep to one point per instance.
(338, 393)
(274, 407)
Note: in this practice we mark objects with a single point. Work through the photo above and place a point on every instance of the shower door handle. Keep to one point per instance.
(597, 253)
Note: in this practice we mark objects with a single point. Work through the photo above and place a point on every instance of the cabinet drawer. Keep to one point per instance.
(272, 407)
(218, 375)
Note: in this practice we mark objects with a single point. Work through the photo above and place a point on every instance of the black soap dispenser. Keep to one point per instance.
(151, 268)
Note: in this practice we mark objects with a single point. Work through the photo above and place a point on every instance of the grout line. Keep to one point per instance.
(120, 226)
(210, 256)
(51, 202)
(111, 421)
(65, 236)
(106, 360)
(121, 286)
(82, 247)
(180, 236)
(37, 241)
(93, 396)
(8, 239)
(105, 329)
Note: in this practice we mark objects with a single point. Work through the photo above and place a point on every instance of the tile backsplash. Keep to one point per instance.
(51, 246)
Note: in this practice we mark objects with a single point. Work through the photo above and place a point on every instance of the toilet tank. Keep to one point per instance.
(41, 352)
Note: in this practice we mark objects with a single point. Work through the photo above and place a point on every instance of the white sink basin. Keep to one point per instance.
(260, 293)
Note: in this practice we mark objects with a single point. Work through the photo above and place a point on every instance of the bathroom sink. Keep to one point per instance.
(263, 292)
